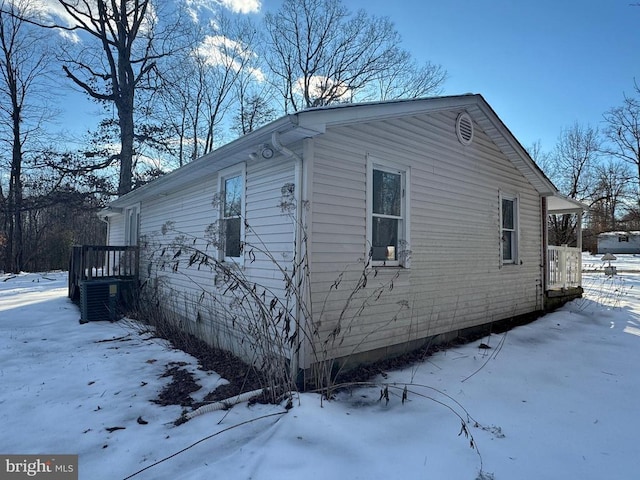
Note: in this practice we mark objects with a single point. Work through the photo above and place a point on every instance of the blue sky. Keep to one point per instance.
(541, 64)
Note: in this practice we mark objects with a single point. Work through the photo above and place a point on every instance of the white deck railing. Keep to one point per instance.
(565, 267)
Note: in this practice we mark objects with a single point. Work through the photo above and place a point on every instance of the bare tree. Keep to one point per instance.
(254, 110)
(543, 159)
(117, 44)
(179, 102)
(408, 80)
(574, 160)
(318, 53)
(623, 133)
(226, 55)
(254, 98)
(611, 190)
(24, 67)
(199, 85)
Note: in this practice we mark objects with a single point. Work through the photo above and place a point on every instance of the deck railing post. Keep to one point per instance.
(563, 265)
(89, 262)
(579, 267)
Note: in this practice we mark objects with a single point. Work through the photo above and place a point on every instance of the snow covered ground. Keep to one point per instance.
(555, 399)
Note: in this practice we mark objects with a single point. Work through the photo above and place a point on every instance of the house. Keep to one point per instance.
(619, 242)
(364, 230)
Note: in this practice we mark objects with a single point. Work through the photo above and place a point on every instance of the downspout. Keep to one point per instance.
(275, 141)
(105, 219)
(545, 249)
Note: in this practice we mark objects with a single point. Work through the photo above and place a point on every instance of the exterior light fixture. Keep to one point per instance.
(266, 152)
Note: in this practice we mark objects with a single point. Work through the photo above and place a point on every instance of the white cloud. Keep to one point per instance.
(213, 50)
(318, 86)
(257, 74)
(71, 36)
(242, 6)
(49, 12)
(52, 12)
(220, 50)
(195, 7)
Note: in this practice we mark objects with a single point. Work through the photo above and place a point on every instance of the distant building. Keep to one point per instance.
(619, 242)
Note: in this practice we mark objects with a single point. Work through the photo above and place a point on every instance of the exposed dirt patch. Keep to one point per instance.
(241, 377)
(179, 390)
(244, 378)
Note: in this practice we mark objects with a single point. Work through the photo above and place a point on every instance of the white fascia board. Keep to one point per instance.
(230, 154)
(331, 115)
(513, 149)
(109, 212)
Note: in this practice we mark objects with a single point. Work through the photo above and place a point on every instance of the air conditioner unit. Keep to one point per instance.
(99, 300)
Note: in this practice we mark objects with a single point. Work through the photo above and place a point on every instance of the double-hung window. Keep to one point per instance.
(231, 187)
(509, 228)
(387, 220)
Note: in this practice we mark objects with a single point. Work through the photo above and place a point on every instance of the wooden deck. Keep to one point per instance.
(99, 262)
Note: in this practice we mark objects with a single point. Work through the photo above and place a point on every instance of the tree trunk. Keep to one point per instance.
(125, 113)
(14, 241)
(124, 94)
(638, 185)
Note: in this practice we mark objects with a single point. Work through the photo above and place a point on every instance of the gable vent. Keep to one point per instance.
(464, 128)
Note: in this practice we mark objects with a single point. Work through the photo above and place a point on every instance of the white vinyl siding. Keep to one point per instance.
(270, 238)
(188, 213)
(455, 280)
(123, 228)
(115, 231)
(185, 214)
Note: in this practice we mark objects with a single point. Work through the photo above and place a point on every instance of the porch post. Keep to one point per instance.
(579, 266)
(545, 248)
(579, 231)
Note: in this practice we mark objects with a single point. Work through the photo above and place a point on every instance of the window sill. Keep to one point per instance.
(512, 264)
(388, 265)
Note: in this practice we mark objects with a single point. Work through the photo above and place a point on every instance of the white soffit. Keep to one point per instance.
(560, 204)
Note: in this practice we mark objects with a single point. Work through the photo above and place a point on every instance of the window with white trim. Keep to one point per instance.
(509, 229)
(131, 222)
(231, 188)
(387, 222)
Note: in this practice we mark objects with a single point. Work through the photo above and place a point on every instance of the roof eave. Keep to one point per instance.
(309, 123)
(513, 149)
(227, 155)
(559, 204)
(485, 116)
